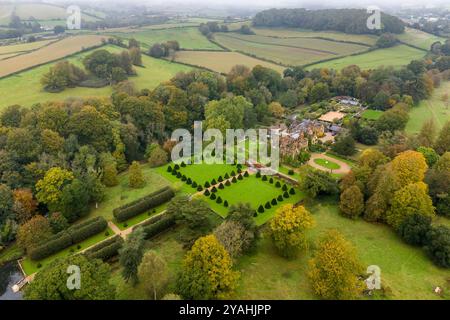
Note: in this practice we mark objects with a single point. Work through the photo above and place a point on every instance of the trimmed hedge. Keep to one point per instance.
(156, 228)
(106, 249)
(141, 205)
(71, 236)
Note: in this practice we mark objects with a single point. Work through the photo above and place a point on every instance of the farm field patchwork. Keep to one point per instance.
(55, 51)
(419, 38)
(326, 46)
(222, 61)
(369, 40)
(276, 53)
(23, 47)
(394, 57)
(189, 38)
(31, 91)
(433, 108)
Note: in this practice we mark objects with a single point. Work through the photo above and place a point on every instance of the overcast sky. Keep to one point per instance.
(289, 3)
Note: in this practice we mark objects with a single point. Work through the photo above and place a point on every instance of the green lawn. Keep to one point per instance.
(123, 194)
(396, 57)
(202, 173)
(254, 191)
(327, 164)
(406, 270)
(31, 266)
(419, 38)
(351, 163)
(371, 114)
(188, 37)
(25, 88)
(433, 108)
(141, 217)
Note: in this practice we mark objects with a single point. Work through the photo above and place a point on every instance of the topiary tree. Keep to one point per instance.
(221, 186)
(285, 187)
(213, 182)
(207, 193)
(258, 174)
(214, 189)
(228, 183)
(261, 209)
(207, 184)
(225, 204)
(234, 180)
(219, 200)
(267, 205)
(200, 188)
(280, 198)
(278, 184)
(292, 191)
(274, 202)
(213, 196)
(264, 178)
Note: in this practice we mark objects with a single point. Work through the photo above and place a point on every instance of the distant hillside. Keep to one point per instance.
(352, 21)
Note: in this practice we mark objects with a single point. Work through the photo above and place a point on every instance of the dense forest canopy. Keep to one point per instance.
(345, 20)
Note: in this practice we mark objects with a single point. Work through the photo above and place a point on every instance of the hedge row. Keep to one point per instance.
(66, 238)
(141, 205)
(156, 228)
(106, 249)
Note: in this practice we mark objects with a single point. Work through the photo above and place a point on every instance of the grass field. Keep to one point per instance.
(39, 11)
(419, 38)
(28, 84)
(406, 270)
(31, 266)
(368, 40)
(307, 43)
(256, 192)
(396, 57)
(327, 164)
(222, 61)
(278, 54)
(52, 52)
(189, 38)
(371, 114)
(123, 194)
(23, 47)
(202, 173)
(433, 108)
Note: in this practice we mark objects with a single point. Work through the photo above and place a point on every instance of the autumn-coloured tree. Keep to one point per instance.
(33, 232)
(153, 274)
(335, 268)
(352, 202)
(410, 200)
(157, 157)
(372, 158)
(409, 167)
(276, 110)
(136, 176)
(109, 178)
(24, 205)
(207, 271)
(288, 229)
(49, 189)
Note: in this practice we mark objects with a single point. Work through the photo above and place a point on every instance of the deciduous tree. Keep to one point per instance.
(288, 229)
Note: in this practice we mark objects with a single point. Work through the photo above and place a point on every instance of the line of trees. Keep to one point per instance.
(352, 21)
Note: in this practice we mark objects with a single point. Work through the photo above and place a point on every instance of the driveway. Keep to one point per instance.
(344, 167)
